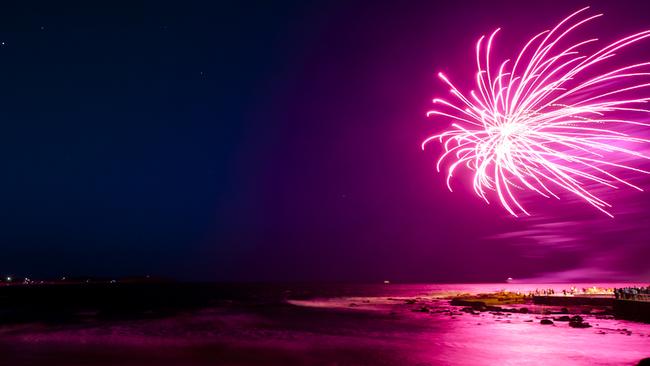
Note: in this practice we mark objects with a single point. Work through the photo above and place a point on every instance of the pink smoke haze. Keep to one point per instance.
(563, 118)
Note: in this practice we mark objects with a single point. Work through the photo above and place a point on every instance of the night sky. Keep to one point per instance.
(270, 141)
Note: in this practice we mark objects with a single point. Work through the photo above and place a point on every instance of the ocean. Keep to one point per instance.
(329, 324)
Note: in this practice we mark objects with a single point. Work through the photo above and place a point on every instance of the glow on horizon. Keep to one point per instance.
(551, 120)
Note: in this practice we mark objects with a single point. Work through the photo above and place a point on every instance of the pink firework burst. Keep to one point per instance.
(556, 119)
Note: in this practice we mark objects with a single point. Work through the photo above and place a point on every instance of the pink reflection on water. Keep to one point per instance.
(377, 327)
(508, 338)
(515, 342)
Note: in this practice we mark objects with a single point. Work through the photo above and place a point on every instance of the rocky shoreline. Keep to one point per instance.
(503, 306)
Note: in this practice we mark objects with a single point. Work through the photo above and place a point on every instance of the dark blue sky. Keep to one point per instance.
(246, 141)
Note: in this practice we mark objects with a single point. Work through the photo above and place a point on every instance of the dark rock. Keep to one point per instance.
(644, 362)
(423, 309)
(353, 305)
(564, 318)
(411, 301)
(528, 321)
(574, 324)
(524, 310)
(494, 308)
(564, 310)
(469, 311)
(461, 302)
(480, 307)
(586, 311)
(577, 319)
(546, 321)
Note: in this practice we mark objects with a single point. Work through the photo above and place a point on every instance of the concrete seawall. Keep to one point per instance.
(632, 310)
(574, 300)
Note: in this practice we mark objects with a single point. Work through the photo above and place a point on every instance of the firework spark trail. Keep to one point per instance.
(550, 121)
